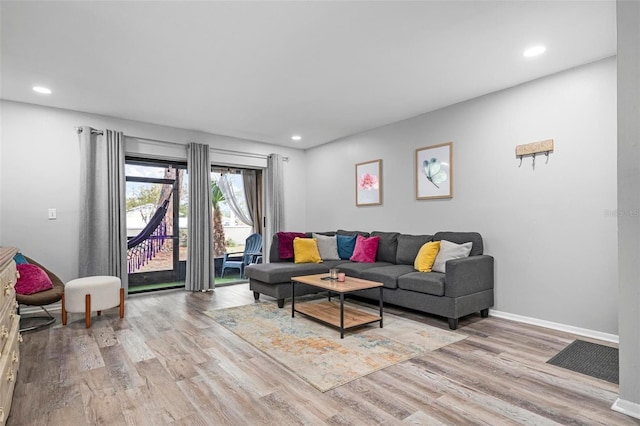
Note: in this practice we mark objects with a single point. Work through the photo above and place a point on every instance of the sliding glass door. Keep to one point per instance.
(157, 203)
(236, 195)
(156, 197)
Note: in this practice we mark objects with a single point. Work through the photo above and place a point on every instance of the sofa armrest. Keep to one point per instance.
(468, 275)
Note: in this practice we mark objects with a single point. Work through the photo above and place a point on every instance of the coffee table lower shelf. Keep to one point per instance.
(329, 313)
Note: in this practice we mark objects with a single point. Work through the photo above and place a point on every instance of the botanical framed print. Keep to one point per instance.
(434, 172)
(369, 183)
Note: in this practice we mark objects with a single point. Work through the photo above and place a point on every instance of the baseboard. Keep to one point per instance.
(556, 326)
(626, 407)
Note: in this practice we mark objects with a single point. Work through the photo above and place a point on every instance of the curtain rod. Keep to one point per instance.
(93, 131)
(161, 142)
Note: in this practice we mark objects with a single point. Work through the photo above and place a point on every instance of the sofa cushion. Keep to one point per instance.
(423, 282)
(461, 238)
(409, 246)
(274, 255)
(449, 251)
(387, 247)
(346, 244)
(281, 272)
(365, 250)
(354, 269)
(387, 275)
(327, 246)
(285, 243)
(348, 233)
(427, 256)
(305, 250)
(325, 233)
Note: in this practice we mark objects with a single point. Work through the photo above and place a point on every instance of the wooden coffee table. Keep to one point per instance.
(332, 313)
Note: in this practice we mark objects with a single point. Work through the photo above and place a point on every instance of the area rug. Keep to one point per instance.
(588, 358)
(316, 353)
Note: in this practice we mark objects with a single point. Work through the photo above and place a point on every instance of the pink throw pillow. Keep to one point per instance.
(365, 250)
(32, 279)
(285, 243)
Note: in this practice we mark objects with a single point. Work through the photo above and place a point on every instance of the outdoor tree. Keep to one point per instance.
(144, 200)
(219, 241)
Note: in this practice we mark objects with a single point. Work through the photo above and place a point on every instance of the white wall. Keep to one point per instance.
(555, 247)
(39, 169)
(554, 244)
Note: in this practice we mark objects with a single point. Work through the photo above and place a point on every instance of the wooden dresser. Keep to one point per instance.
(9, 330)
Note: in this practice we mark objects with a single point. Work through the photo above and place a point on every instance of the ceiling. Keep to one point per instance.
(267, 70)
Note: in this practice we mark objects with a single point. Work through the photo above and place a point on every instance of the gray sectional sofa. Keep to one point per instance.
(465, 288)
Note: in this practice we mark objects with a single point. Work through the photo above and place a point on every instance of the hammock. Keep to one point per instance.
(144, 246)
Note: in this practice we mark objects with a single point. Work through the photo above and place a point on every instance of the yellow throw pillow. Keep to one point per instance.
(426, 256)
(305, 250)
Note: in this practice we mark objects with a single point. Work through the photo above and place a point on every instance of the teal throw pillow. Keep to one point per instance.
(346, 244)
(20, 259)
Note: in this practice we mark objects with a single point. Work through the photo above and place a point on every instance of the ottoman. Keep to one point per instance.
(92, 294)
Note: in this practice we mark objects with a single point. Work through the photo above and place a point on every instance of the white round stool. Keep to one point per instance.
(92, 293)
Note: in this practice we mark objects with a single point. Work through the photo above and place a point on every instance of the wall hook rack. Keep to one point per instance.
(533, 149)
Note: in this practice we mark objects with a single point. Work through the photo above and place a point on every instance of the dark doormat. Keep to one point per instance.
(588, 358)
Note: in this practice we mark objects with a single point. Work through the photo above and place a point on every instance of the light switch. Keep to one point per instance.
(52, 214)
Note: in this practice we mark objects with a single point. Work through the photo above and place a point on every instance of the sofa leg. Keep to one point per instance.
(484, 313)
(256, 296)
(453, 323)
(280, 303)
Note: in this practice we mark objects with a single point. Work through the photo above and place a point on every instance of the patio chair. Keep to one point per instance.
(238, 260)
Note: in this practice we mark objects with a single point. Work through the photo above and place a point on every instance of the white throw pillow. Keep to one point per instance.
(449, 251)
(327, 246)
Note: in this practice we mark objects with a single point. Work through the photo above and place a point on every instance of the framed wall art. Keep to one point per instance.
(434, 172)
(369, 183)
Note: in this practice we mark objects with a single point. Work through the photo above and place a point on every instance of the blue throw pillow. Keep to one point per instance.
(346, 244)
(20, 259)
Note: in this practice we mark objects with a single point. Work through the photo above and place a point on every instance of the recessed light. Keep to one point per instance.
(43, 90)
(296, 137)
(534, 51)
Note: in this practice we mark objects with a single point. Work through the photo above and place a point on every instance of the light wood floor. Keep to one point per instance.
(167, 363)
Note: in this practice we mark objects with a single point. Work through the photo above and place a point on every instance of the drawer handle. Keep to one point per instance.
(20, 340)
(7, 289)
(14, 357)
(10, 376)
(4, 332)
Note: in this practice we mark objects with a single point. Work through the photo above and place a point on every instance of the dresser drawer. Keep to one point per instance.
(8, 278)
(8, 316)
(9, 363)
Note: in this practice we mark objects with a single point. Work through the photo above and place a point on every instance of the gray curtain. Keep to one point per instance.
(103, 231)
(251, 193)
(200, 266)
(275, 197)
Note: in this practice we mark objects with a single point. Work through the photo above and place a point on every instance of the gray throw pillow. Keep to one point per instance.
(327, 246)
(450, 251)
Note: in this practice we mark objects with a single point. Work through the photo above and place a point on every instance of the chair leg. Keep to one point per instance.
(64, 312)
(121, 302)
(87, 310)
(42, 320)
